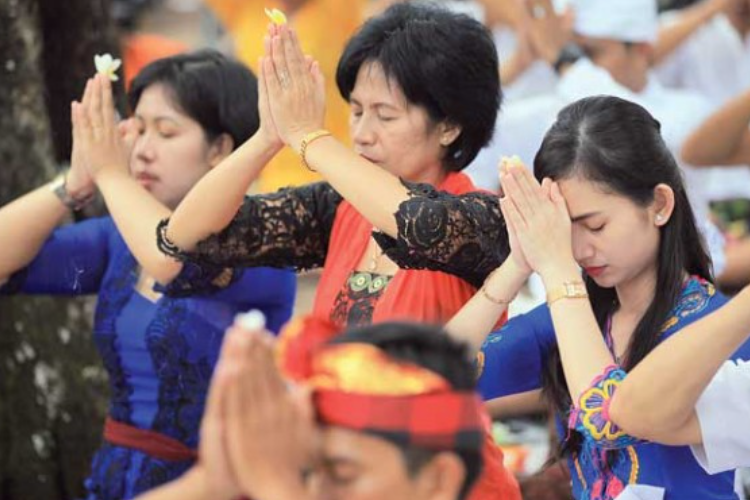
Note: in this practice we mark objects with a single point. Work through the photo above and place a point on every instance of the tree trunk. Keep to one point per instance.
(52, 387)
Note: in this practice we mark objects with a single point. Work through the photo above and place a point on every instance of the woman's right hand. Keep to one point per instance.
(78, 181)
(516, 252)
(105, 146)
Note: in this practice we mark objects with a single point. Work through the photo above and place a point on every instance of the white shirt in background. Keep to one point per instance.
(724, 414)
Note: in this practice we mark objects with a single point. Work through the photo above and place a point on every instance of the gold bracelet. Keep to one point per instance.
(494, 300)
(306, 141)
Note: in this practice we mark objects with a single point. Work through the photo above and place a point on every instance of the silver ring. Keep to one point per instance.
(538, 12)
(284, 80)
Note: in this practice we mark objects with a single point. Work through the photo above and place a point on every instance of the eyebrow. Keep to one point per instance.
(158, 119)
(582, 217)
(355, 102)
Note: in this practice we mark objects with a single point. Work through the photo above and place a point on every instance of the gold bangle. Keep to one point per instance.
(494, 300)
(306, 141)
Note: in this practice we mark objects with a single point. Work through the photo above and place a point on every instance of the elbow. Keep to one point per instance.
(642, 421)
(627, 414)
(164, 272)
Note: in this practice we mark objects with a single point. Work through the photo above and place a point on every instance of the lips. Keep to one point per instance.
(595, 270)
(369, 158)
(146, 179)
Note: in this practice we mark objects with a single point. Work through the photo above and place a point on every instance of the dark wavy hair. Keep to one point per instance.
(219, 93)
(442, 61)
(618, 144)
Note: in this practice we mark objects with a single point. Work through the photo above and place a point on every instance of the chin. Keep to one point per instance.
(605, 281)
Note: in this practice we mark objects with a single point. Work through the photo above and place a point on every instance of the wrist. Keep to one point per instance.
(72, 200)
(280, 488)
(269, 143)
(558, 274)
(502, 285)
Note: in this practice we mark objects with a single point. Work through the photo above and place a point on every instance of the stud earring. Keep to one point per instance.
(659, 217)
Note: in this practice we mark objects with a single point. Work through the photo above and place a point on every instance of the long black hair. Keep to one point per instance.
(617, 144)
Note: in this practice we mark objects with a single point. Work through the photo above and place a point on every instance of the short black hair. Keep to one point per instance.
(219, 93)
(442, 61)
(433, 349)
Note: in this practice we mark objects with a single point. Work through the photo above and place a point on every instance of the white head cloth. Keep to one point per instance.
(624, 20)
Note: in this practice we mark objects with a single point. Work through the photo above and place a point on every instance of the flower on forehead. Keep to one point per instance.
(276, 16)
(107, 65)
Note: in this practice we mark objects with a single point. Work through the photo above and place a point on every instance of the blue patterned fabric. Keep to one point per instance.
(159, 355)
(511, 361)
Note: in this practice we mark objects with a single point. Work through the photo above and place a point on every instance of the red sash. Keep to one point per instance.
(149, 442)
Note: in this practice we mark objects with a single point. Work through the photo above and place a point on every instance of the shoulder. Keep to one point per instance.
(699, 297)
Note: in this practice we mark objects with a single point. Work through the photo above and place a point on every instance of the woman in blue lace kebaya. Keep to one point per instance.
(159, 349)
(611, 201)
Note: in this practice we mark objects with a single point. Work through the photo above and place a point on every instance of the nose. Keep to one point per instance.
(144, 148)
(362, 130)
(583, 248)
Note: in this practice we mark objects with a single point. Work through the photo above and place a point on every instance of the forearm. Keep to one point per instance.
(212, 203)
(661, 392)
(136, 214)
(25, 224)
(517, 405)
(724, 138)
(374, 192)
(583, 351)
(672, 35)
(478, 316)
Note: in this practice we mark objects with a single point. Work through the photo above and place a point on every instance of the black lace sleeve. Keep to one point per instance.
(464, 235)
(288, 228)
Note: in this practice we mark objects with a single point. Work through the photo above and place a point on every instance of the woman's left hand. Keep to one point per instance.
(296, 88)
(103, 144)
(540, 220)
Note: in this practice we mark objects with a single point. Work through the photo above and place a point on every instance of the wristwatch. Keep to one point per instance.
(59, 188)
(568, 290)
(569, 54)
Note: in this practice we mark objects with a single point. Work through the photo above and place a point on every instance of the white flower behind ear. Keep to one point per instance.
(107, 65)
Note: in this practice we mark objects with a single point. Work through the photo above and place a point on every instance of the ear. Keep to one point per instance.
(441, 478)
(220, 148)
(663, 205)
(449, 132)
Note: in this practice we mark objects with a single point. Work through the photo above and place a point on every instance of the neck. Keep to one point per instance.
(432, 176)
(636, 295)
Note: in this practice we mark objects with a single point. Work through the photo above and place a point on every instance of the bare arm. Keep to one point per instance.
(478, 316)
(724, 138)
(657, 399)
(28, 221)
(673, 34)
